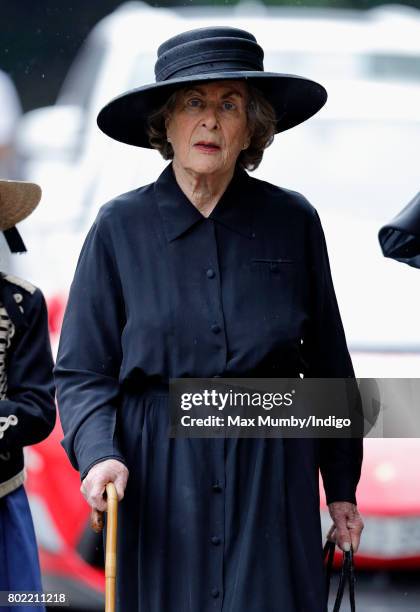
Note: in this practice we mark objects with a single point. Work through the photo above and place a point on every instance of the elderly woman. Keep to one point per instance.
(207, 272)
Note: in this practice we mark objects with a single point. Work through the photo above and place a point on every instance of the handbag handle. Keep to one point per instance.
(346, 574)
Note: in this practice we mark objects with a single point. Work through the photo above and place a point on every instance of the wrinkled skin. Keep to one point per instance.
(348, 525)
(93, 487)
(214, 113)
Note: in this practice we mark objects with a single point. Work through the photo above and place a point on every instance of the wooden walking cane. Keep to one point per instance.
(111, 548)
(111, 544)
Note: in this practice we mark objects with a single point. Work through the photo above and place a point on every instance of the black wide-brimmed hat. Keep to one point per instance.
(202, 55)
(400, 238)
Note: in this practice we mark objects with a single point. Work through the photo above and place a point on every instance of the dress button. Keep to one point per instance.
(210, 273)
(215, 328)
(217, 488)
(215, 593)
(215, 540)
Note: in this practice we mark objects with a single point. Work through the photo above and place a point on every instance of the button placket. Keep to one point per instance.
(214, 292)
(217, 523)
(217, 526)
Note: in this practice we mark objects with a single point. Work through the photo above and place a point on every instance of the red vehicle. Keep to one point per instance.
(389, 502)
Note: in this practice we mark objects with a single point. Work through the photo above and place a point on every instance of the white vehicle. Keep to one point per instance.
(356, 160)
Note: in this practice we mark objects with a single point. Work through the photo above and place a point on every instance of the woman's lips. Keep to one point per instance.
(207, 148)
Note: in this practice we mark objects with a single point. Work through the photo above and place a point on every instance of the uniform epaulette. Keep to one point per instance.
(20, 282)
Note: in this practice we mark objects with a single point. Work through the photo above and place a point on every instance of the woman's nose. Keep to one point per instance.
(210, 120)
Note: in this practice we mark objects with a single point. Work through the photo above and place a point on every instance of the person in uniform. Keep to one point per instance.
(207, 272)
(27, 394)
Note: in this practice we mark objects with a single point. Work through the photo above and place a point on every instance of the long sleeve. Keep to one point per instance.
(30, 385)
(327, 356)
(89, 356)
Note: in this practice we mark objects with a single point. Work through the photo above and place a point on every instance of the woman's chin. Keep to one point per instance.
(208, 164)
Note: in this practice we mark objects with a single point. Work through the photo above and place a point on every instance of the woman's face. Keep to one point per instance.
(208, 127)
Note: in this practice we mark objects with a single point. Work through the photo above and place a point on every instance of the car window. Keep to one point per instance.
(315, 65)
(329, 65)
(398, 67)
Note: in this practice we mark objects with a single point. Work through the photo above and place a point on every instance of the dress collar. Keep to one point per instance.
(179, 214)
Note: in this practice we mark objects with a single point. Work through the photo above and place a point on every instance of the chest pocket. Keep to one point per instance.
(271, 265)
(275, 282)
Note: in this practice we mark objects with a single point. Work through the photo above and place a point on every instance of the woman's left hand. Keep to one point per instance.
(347, 527)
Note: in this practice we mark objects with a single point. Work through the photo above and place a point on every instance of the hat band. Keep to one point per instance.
(14, 240)
(212, 61)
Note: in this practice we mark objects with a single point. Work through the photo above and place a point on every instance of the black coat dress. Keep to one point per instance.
(162, 292)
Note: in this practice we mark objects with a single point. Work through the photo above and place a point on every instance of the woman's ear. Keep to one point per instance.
(248, 138)
(168, 133)
(167, 122)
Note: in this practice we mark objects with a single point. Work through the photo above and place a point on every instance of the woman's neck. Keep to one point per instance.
(203, 190)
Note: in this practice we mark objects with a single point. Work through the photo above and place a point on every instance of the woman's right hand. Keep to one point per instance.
(100, 474)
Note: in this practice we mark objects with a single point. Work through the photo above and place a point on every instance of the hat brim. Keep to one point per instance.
(294, 99)
(18, 199)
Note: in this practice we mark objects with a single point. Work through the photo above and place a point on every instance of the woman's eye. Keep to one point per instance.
(229, 106)
(194, 103)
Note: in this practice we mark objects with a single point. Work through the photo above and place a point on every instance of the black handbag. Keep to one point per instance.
(346, 575)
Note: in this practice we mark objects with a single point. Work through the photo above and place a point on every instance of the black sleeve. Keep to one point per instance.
(327, 356)
(30, 386)
(89, 356)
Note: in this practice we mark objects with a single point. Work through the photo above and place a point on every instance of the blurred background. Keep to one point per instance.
(357, 161)
(40, 40)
